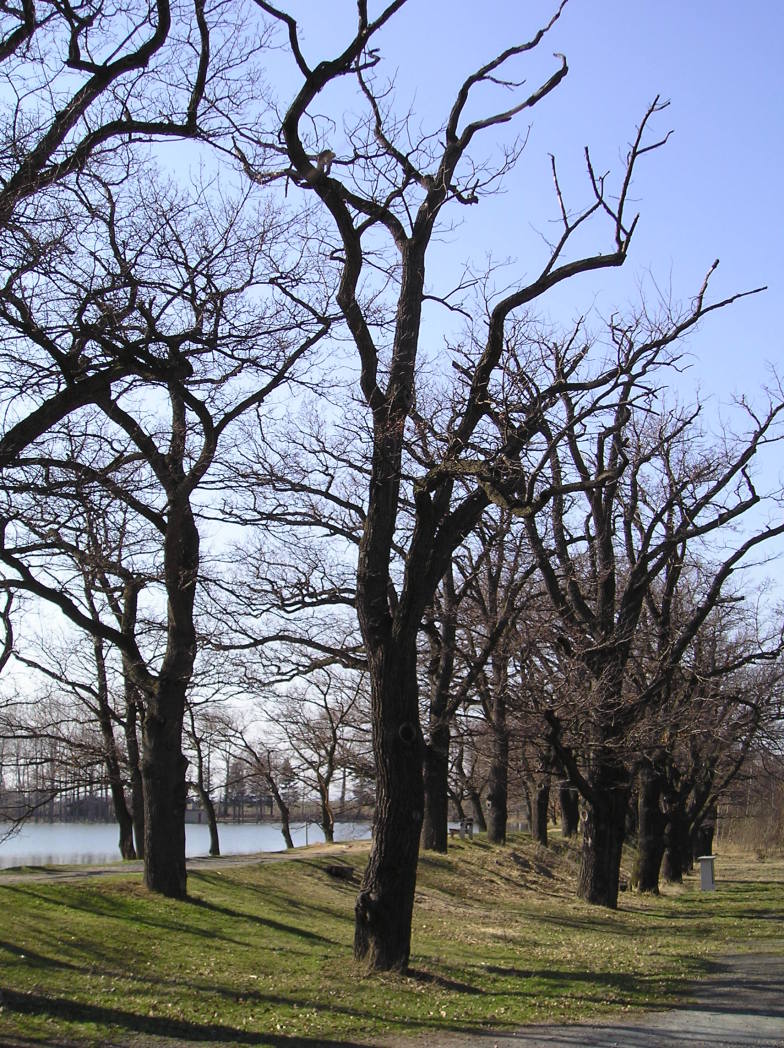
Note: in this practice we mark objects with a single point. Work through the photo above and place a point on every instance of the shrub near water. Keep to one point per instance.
(265, 950)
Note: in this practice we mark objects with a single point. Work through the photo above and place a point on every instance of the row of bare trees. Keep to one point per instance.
(232, 453)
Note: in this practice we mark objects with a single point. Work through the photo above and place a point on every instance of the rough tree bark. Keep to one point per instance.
(164, 777)
(385, 903)
(604, 822)
(651, 826)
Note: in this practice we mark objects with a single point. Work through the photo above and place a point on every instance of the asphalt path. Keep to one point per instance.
(740, 1004)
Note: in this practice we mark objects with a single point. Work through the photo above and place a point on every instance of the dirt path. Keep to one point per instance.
(739, 1005)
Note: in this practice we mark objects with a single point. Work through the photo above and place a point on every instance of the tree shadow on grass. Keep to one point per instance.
(106, 908)
(441, 982)
(265, 922)
(38, 960)
(307, 910)
(72, 1011)
(629, 985)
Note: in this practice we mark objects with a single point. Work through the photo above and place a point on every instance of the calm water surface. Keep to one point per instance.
(44, 843)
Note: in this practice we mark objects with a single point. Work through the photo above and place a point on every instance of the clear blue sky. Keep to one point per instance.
(713, 192)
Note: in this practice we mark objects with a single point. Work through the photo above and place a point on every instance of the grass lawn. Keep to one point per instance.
(261, 954)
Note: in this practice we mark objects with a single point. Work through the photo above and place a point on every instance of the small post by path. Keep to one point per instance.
(707, 875)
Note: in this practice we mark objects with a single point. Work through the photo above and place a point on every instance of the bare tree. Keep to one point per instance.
(395, 186)
(317, 724)
(93, 684)
(652, 487)
(206, 303)
(268, 763)
(709, 714)
(202, 729)
(82, 85)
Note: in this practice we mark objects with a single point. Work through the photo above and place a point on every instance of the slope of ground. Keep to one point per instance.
(261, 953)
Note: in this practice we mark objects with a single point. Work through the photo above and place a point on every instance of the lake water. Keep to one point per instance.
(46, 843)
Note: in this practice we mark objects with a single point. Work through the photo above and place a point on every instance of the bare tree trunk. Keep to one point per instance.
(457, 801)
(471, 792)
(134, 766)
(475, 800)
(569, 800)
(385, 903)
(327, 816)
(201, 785)
(604, 822)
(105, 717)
(702, 835)
(280, 804)
(121, 813)
(436, 757)
(436, 779)
(677, 853)
(163, 774)
(114, 774)
(539, 810)
(498, 779)
(652, 822)
(212, 820)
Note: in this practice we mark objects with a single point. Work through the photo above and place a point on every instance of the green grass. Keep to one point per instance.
(261, 954)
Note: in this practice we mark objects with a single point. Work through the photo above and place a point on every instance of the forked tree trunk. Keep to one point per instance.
(652, 823)
(385, 903)
(165, 791)
(327, 816)
(475, 799)
(471, 792)
(604, 821)
(569, 801)
(436, 777)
